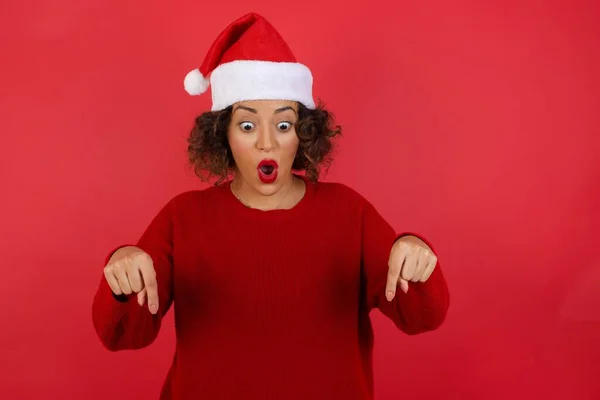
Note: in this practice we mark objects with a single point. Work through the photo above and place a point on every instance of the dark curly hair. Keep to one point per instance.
(210, 155)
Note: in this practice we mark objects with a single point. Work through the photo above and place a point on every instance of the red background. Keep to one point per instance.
(473, 122)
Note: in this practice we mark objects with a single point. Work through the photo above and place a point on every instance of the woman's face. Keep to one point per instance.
(263, 141)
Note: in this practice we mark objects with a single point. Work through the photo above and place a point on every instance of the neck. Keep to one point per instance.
(251, 198)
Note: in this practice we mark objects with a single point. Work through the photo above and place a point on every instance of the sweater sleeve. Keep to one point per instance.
(119, 321)
(425, 305)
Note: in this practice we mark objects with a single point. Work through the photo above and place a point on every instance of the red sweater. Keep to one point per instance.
(269, 304)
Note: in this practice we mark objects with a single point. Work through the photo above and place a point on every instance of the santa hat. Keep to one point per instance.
(249, 60)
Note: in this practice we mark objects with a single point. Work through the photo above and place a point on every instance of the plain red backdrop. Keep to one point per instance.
(475, 123)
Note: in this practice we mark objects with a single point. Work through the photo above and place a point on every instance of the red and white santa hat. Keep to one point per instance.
(249, 60)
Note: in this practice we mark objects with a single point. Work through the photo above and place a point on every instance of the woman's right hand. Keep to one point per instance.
(131, 270)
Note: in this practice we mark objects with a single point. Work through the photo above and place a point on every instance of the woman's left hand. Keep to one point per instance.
(411, 260)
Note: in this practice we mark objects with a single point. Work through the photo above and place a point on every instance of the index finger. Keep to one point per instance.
(150, 284)
(395, 267)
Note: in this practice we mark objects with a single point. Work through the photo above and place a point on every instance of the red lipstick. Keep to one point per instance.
(267, 171)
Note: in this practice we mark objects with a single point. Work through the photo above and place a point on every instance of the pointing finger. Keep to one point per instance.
(150, 284)
(394, 270)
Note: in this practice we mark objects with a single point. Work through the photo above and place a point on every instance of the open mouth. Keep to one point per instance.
(267, 171)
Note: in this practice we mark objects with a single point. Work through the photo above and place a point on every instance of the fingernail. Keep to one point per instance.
(153, 308)
(390, 295)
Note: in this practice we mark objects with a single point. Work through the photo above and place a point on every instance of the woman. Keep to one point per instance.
(272, 275)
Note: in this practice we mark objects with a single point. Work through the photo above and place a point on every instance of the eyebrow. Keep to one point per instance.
(282, 109)
(252, 110)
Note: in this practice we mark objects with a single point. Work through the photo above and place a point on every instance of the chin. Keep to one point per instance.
(267, 189)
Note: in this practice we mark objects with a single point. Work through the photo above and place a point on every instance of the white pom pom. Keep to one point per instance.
(195, 83)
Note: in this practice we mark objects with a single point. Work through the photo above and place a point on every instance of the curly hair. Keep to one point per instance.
(210, 155)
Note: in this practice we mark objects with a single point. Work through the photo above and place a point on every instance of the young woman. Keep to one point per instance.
(272, 274)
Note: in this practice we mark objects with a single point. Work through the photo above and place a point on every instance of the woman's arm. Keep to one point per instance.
(424, 306)
(119, 320)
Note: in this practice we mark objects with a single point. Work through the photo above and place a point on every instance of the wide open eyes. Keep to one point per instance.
(248, 126)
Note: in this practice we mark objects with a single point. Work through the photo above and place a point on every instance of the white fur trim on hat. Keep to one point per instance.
(260, 80)
(195, 83)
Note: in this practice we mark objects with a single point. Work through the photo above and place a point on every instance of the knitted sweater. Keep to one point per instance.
(269, 304)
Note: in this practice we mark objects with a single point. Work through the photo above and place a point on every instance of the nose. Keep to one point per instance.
(265, 140)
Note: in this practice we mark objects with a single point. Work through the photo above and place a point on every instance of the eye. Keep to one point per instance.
(247, 126)
(284, 126)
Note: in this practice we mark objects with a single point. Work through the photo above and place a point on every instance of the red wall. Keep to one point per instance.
(474, 123)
